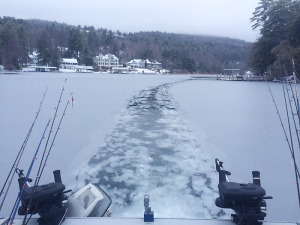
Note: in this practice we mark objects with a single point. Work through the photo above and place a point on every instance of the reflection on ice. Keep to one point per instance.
(152, 151)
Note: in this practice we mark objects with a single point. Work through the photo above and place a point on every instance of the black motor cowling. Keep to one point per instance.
(247, 200)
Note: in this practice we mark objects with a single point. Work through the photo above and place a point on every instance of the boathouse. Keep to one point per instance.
(69, 64)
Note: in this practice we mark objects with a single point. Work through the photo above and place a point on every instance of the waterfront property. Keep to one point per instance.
(136, 63)
(120, 69)
(106, 61)
(33, 58)
(68, 64)
(40, 69)
(144, 64)
(152, 65)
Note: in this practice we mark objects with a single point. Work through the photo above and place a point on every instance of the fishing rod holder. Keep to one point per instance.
(148, 214)
(46, 200)
(57, 176)
(247, 200)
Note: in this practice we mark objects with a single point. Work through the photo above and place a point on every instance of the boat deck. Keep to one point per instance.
(139, 221)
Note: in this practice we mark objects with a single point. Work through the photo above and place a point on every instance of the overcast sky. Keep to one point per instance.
(226, 18)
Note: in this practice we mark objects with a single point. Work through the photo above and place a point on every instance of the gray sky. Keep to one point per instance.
(226, 18)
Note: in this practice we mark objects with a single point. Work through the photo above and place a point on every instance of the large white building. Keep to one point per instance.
(152, 64)
(107, 61)
(142, 64)
(136, 63)
(68, 64)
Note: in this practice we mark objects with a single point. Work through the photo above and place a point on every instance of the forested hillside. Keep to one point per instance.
(279, 44)
(176, 52)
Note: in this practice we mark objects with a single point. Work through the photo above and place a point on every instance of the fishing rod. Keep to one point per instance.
(41, 168)
(285, 90)
(295, 104)
(297, 95)
(291, 137)
(38, 176)
(281, 121)
(52, 144)
(282, 125)
(11, 219)
(48, 138)
(19, 155)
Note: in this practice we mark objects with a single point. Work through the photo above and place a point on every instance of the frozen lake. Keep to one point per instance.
(158, 135)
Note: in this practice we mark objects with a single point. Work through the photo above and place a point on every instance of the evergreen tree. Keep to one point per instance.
(261, 13)
(75, 43)
(279, 41)
(175, 51)
(11, 48)
(86, 57)
(44, 48)
(55, 57)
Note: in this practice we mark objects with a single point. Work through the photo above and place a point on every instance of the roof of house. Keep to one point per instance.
(107, 56)
(136, 61)
(66, 60)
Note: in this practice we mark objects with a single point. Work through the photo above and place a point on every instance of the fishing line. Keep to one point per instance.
(296, 130)
(281, 123)
(288, 119)
(52, 144)
(20, 154)
(11, 219)
(295, 124)
(44, 153)
(296, 90)
(293, 153)
(291, 136)
(45, 149)
(49, 151)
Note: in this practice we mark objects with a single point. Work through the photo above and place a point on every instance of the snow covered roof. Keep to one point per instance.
(111, 56)
(33, 55)
(107, 56)
(143, 61)
(136, 61)
(99, 56)
(66, 60)
(155, 62)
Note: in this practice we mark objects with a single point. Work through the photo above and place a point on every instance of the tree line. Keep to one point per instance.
(279, 44)
(177, 52)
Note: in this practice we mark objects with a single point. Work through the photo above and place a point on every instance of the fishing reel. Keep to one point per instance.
(247, 200)
(46, 200)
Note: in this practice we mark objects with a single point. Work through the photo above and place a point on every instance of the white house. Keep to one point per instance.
(136, 63)
(109, 60)
(152, 64)
(68, 64)
(140, 63)
(33, 58)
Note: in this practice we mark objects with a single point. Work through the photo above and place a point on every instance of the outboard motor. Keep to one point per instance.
(247, 200)
(46, 200)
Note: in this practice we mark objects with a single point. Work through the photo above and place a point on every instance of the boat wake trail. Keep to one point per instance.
(151, 151)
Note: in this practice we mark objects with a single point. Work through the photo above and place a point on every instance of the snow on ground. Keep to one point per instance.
(142, 71)
(138, 134)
